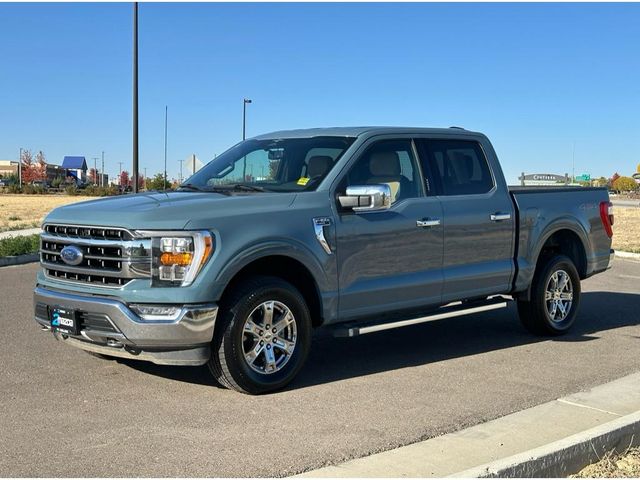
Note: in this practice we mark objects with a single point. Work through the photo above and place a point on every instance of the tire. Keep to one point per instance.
(538, 315)
(232, 343)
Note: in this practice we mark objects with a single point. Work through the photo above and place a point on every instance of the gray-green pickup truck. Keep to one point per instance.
(357, 229)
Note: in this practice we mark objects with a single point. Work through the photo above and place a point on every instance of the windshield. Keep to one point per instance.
(277, 165)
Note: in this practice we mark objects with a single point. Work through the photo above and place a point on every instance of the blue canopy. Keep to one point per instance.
(74, 162)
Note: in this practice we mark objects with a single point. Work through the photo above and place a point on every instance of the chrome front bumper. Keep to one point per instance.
(109, 327)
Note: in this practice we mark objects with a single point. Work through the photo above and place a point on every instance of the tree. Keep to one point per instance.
(625, 184)
(93, 176)
(157, 183)
(27, 166)
(40, 166)
(638, 168)
(124, 179)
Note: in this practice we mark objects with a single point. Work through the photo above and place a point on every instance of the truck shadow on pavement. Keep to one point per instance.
(334, 359)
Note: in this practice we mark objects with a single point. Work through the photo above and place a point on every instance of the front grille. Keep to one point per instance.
(111, 257)
(96, 233)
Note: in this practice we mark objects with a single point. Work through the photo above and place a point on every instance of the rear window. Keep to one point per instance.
(459, 167)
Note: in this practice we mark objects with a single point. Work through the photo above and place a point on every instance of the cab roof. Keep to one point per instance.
(356, 132)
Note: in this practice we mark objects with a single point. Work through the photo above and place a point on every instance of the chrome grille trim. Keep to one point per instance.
(112, 257)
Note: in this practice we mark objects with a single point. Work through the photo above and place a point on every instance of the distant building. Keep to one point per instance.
(75, 167)
(8, 167)
(55, 171)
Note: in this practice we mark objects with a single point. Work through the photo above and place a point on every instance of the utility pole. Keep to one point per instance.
(135, 97)
(145, 178)
(20, 169)
(119, 173)
(102, 172)
(181, 170)
(166, 116)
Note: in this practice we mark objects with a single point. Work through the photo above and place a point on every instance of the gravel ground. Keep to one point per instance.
(612, 465)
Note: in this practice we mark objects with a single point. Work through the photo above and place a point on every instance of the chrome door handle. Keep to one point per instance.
(428, 223)
(497, 217)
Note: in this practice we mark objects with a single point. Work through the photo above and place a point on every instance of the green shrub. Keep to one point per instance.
(14, 188)
(71, 190)
(19, 245)
(94, 191)
(33, 190)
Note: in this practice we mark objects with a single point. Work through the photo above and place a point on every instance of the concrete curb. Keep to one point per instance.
(635, 256)
(20, 233)
(19, 259)
(566, 456)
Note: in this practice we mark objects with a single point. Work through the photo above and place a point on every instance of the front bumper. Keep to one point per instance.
(110, 327)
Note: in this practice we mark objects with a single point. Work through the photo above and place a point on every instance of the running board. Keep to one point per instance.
(457, 309)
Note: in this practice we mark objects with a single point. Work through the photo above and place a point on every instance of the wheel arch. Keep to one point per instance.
(281, 265)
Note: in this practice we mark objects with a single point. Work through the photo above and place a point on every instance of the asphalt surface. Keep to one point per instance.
(66, 413)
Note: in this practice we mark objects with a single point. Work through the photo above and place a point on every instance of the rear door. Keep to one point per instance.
(389, 260)
(478, 218)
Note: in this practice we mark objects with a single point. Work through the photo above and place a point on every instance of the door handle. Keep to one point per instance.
(428, 222)
(497, 217)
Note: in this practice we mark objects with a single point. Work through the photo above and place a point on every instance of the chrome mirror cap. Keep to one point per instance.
(367, 198)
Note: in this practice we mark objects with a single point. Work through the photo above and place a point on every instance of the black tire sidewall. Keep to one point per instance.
(559, 262)
(247, 378)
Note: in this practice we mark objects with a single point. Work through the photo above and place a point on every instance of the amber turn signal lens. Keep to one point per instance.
(176, 258)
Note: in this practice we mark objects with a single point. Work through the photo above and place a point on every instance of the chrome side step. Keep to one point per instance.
(448, 311)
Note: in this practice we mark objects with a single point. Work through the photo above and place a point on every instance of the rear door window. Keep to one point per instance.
(459, 167)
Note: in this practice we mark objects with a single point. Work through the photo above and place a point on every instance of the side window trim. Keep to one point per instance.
(427, 178)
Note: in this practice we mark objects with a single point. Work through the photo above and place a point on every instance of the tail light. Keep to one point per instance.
(606, 215)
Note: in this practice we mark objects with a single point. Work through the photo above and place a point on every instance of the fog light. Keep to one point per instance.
(157, 312)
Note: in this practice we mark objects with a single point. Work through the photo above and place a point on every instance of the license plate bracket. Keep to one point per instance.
(64, 320)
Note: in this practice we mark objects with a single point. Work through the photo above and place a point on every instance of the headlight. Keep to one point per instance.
(178, 256)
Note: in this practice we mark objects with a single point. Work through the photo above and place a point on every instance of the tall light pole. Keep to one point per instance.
(102, 172)
(135, 97)
(145, 178)
(244, 134)
(181, 170)
(120, 173)
(166, 117)
(244, 117)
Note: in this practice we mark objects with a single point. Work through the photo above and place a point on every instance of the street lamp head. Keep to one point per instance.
(247, 100)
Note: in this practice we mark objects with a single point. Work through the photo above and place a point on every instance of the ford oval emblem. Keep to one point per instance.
(71, 255)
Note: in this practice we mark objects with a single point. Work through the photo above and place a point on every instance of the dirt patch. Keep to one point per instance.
(27, 211)
(613, 465)
(626, 229)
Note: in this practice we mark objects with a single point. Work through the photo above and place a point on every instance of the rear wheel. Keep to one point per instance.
(555, 297)
(262, 337)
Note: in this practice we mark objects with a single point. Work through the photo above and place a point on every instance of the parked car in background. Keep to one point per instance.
(356, 229)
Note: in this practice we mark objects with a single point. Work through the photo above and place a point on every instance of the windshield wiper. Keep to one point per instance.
(246, 188)
(191, 186)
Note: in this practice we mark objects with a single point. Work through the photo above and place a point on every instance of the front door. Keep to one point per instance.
(389, 260)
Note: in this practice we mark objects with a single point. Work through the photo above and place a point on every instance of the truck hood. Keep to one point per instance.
(166, 211)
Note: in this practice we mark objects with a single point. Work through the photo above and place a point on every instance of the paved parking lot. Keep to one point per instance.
(65, 413)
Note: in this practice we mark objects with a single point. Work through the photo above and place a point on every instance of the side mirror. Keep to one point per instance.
(367, 198)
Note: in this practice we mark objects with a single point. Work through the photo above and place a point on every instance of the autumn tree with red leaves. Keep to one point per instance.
(124, 179)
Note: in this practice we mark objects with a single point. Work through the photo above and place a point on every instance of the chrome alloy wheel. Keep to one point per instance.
(269, 337)
(558, 296)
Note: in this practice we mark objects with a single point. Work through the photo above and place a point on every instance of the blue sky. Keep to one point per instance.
(534, 77)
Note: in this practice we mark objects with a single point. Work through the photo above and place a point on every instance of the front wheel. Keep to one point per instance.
(262, 337)
(555, 297)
